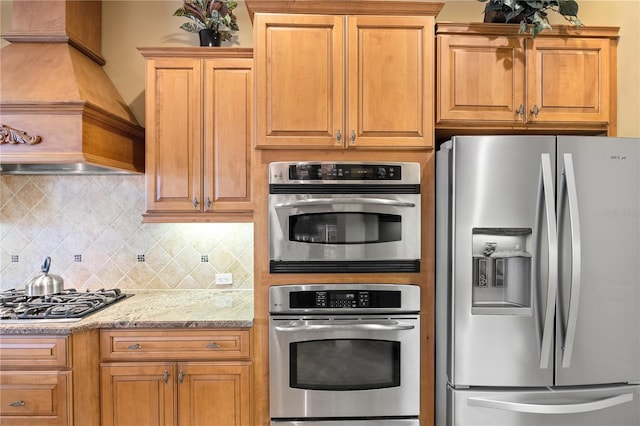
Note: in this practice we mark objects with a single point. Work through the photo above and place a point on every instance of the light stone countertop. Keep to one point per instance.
(155, 309)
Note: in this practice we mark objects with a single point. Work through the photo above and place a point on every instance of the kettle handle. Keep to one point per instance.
(46, 265)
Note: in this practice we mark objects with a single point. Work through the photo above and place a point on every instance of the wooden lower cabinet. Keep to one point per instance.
(170, 391)
(49, 380)
(35, 397)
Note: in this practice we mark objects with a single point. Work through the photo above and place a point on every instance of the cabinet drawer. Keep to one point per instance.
(27, 351)
(30, 398)
(173, 345)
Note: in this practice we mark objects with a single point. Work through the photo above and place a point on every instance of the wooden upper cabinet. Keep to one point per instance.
(490, 76)
(228, 124)
(332, 81)
(480, 78)
(390, 73)
(300, 80)
(173, 134)
(569, 80)
(199, 108)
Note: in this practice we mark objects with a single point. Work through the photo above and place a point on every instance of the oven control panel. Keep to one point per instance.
(344, 299)
(341, 171)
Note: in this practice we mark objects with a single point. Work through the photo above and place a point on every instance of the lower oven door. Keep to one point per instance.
(344, 367)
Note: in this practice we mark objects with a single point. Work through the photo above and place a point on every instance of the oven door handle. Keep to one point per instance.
(330, 201)
(345, 326)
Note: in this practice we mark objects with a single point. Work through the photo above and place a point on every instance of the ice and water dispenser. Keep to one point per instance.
(501, 271)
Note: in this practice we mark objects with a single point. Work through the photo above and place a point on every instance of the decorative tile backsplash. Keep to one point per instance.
(91, 227)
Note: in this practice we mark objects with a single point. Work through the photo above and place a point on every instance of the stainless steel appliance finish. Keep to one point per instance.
(344, 217)
(538, 249)
(367, 422)
(44, 283)
(65, 306)
(345, 353)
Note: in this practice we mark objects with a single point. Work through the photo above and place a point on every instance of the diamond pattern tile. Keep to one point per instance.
(99, 219)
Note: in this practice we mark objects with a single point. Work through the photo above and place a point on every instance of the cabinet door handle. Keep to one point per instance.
(213, 345)
(135, 347)
(208, 203)
(17, 404)
(535, 110)
(353, 136)
(195, 202)
(338, 136)
(165, 376)
(181, 376)
(521, 110)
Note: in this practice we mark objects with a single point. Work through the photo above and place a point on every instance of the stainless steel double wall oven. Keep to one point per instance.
(344, 354)
(344, 217)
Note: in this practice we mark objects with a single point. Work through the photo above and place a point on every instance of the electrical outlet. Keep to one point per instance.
(224, 279)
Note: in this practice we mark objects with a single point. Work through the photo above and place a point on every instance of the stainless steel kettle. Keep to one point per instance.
(44, 283)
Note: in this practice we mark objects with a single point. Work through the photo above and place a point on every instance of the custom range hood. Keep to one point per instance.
(59, 111)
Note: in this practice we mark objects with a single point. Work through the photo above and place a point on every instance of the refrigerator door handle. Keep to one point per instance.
(569, 179)
(546, 190)
(522, 407)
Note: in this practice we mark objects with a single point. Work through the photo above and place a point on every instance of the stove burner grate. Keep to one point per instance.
(70, 303)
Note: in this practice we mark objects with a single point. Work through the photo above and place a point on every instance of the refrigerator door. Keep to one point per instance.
(598, 331)
(606, 406)
(503, 238)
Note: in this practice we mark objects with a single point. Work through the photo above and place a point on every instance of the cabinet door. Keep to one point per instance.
(480, 78)
(299, 66)
(214, 394)
(138, 394)
(390, 81)
(228, 106)
(35, 397)
(569, 80)
(174, 134)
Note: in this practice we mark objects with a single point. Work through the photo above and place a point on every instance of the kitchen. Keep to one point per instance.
(106, 259)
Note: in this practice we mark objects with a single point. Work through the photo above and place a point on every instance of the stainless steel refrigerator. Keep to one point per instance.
(538, 281)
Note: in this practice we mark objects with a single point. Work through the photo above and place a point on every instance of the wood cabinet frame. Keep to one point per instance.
(49, 379)
(329, 81)
(176, 377)
(492, 80)
(199, 121)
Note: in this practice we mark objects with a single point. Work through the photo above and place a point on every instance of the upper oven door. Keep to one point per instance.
(344, 232)
(344, 366)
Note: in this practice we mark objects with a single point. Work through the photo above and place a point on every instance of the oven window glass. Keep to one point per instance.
(345, 228)
(344, 364)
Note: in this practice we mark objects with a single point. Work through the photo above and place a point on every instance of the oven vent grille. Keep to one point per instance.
(291, 267)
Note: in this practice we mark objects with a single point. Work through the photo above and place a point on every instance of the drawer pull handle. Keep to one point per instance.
(17, 404)
(165, 376)
(181, 376)
(135, 347)
(213, 346)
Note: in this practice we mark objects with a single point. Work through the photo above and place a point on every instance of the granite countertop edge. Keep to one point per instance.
(171, 309)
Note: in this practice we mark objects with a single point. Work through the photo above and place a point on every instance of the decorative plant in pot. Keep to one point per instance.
(532, 14)
(212, 19)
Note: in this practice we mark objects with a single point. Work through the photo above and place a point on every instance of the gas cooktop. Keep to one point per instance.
(66, 306)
